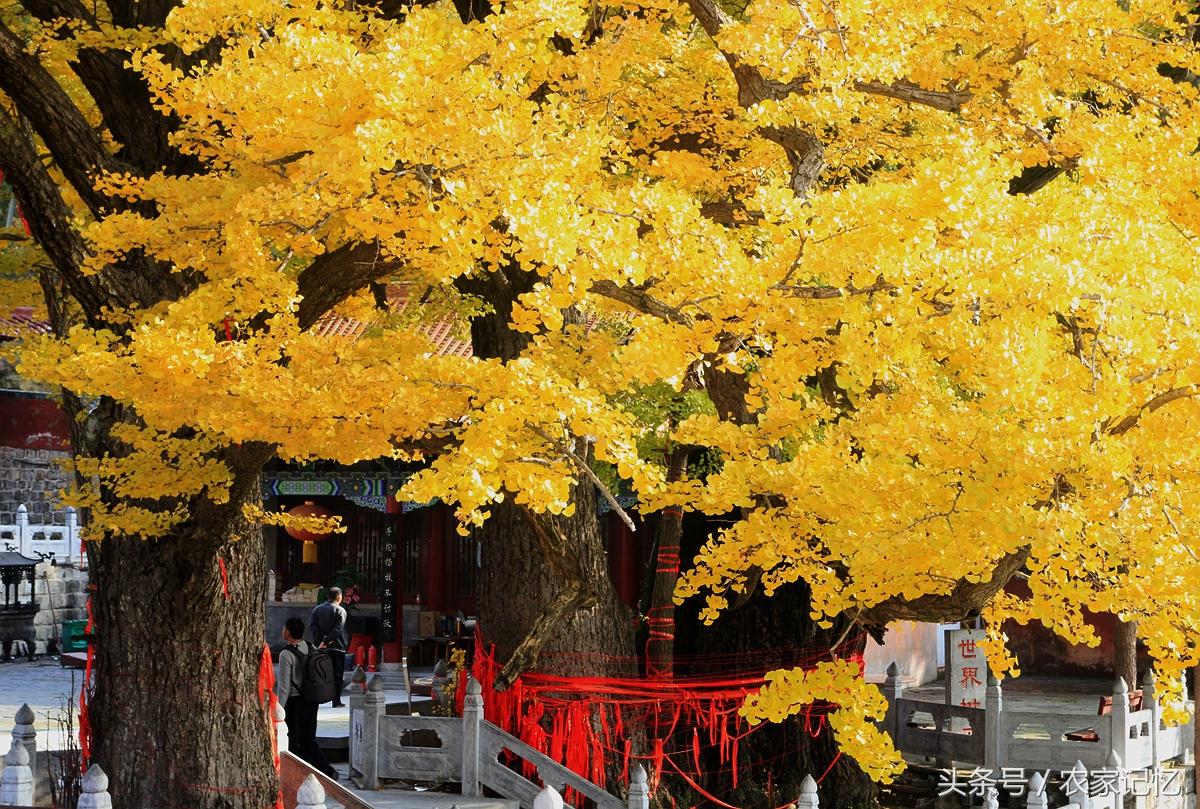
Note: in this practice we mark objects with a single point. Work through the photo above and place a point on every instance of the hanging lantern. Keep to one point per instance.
(309, 538)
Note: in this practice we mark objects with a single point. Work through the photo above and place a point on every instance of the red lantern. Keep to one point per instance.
(308, 537)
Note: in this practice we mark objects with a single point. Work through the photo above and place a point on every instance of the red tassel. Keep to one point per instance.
(733, 762)
(224, 576)
(268, 697)
(85, 723)
(696, 749)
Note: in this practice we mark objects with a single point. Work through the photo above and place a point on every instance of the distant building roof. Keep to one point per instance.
(441, 333)
(20, 322)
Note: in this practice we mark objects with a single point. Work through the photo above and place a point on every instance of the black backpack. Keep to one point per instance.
(317, 683)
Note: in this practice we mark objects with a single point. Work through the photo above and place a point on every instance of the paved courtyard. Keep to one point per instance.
(47, 687)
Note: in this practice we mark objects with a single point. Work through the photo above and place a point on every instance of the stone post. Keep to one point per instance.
(310, 795)
(23, 529)
(281, 731)
(639, 788)
(1120, 719)
(374, 707)
(1150, 703)
(993, 726)
(991, 798)
(548, 798)
(1035, 792)
(73, 546)
(808, 793)
(358, 682)
(356, 695)
(1076, 788)
(16, 782)
(472, 719)
(25, 733)
(94, 790)
(1115, 766)
(892, 690)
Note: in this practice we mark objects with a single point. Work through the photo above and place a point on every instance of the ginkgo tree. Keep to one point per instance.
(924, 378)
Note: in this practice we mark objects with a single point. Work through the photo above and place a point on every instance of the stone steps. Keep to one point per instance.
(408, 799)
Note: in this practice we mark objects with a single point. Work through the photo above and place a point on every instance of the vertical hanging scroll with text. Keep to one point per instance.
(387, 584)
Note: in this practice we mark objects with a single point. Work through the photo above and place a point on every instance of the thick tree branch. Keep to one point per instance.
(121, 95)
(944, 100)
(640, 299)
(336, 275)
(50, 220)
(572, 597)
(77, 148)
(965, 600)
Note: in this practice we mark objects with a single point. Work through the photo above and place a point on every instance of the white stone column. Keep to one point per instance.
(639, 788)
(808, 793)
(310, 795)
(1035, 792)
(1076, 788)
(281, 731)
(1120, 719)
(25, 733)
(892, 690)
(472, 719)
(94, 790)
(548, 798)
(16, 782)
(1150, 703)
(374, 707)
(993, 726)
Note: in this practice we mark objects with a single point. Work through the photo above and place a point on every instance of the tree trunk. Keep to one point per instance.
(660, 647)
(1125, 652)
(585, 632)
(177, 719)
(762, 634)
(594, 637)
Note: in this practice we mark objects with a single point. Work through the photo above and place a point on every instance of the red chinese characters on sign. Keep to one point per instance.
(966, 672)
(970, 677)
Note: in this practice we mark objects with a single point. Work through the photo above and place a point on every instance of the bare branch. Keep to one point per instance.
(566, 450)
(1161, 400)
(821, 293)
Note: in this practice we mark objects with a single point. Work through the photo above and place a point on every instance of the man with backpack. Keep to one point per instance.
(303, 682)
(327, 628)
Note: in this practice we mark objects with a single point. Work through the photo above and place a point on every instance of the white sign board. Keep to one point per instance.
(966, 671)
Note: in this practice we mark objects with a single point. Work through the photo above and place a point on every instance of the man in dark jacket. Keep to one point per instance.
(299, 713)
(327, 628)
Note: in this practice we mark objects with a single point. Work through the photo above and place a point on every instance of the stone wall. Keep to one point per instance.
(61, 596)
(33, 477)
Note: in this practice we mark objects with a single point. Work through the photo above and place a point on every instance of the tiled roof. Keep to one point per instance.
(441, 333)
(21, 323)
